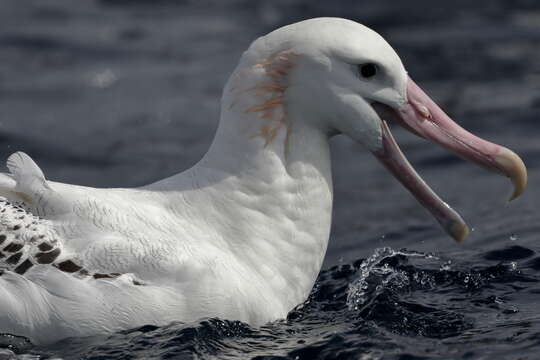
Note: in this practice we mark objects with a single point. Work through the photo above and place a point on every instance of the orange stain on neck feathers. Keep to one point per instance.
(272, 91)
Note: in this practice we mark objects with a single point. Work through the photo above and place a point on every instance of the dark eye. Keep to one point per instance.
(368, 70)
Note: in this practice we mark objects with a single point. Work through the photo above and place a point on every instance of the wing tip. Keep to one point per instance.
(21, 165)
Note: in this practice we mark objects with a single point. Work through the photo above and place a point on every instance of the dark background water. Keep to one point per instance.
(121, 93)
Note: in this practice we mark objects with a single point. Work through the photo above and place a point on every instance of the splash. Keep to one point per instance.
(376, 275)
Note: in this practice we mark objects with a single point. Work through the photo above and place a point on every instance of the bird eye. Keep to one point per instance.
(368, 70)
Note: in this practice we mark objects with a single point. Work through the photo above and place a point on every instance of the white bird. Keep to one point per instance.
(243, 233)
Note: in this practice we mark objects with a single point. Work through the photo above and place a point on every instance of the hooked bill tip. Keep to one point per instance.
(513, 167)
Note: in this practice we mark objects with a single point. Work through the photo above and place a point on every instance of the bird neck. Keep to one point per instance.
(276, 187)
(264, 188)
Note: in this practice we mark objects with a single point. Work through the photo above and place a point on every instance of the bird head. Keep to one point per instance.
(344, 78)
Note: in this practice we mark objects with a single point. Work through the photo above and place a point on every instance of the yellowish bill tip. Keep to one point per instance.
(458, 230)
(513, 167)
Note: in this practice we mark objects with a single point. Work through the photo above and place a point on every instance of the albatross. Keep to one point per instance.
(242, 234)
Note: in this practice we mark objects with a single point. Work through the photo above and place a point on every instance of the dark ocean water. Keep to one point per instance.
(121, 93)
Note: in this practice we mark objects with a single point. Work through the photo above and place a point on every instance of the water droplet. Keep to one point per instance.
(446, 266)
(513, 266)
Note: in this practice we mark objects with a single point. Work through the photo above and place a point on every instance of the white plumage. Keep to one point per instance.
(241, 235)
(123, 258)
